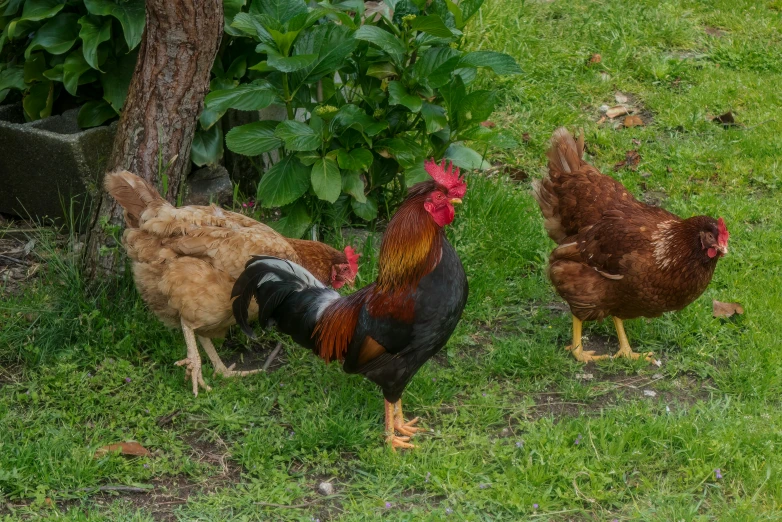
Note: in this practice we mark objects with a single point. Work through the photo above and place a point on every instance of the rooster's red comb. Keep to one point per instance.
(352, 259)
(449, 178)
(722, 232)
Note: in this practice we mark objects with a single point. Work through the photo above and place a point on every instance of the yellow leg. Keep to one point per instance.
(391, 438)
(217, 363)
(192, 363)
(405, 428)
(624, 344)
(577, 349)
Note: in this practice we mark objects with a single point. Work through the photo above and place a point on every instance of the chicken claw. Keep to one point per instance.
(395, 422)
(193, 371)
(624, 345)
(217, 363)
(584, 356)
(405, 428)
(399, 442)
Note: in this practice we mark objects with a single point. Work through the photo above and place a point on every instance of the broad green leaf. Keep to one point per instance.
(382, 70)
(55, 74)
(436, 65)
(94, 31)
(470, 8)
(297, 136)
(18, 30)
(35, 10)
(245, 97)
(116, 79)
(308, 158)
(326, 179)
(57, 35)
(238, 68)
(12, 78)
(250, 25)
(230, 9)
(434, 117)
(416, 174)
(366, 210)
(353, 184)
(352, 116)
(75, 65)
(10, 6)
(253, 139)
(280, 10)
(332, 43)
(433, 25)
(130, 13)
(39, 100)
(207, 146)
(94, 113)
(405, 150)
(356, 159)
(398, 95)
(383, 39)
(453, 94)
(290, 64)
(465, 158)
(284, 183)
(295, 221)
(456, 12)
(34, 68)
(475, 108)
(500, 63)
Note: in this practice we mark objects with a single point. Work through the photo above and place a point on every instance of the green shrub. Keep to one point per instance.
(368, 94)
(55, 55)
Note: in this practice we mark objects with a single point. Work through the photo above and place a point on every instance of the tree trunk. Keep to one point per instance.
(161, 112)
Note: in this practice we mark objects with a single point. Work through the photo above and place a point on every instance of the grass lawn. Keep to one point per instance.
(515, 428)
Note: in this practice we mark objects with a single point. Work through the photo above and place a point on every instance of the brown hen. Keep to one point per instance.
(186, 261)
(618, 256)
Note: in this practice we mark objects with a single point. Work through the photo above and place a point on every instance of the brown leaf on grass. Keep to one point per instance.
(516, 174)
(601, 120)
(595, 58)
(713, 31)
(720, 309)
(726, 120)
(488, 124)
(618, 110)
(631, 161)
(620, 98)
(130, 449)
(525, 137)
(633, 121)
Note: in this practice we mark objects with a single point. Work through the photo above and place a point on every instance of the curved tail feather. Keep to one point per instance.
(285, 292)
(133, 193)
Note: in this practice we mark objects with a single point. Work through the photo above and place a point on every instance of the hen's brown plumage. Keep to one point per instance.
(618, 256)
(186, 260)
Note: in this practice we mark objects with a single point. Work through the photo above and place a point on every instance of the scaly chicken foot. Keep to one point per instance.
(394, 440)
(192, 363)
(217, 362)
(405, 428)
(577, 349)
(624, 344)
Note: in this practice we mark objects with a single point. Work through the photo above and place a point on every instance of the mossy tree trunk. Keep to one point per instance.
(159, 119)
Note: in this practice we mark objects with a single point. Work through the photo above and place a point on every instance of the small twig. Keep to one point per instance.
(283, 506)
(271, 357)
(578, 491)
(14, 260)
(125, 489)
(162, 421)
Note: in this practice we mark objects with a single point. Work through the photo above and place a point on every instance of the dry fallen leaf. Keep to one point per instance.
(618, 110)
(595, 58)
(633, 121)
(488, 124)
(131, 448)
(650, 393)
(601, 120)
(525, 137)
(620, 98)
(721, 309)
(632, 158)
(726, 120)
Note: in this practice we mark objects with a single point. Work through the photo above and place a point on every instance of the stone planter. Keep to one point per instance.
(48, 164)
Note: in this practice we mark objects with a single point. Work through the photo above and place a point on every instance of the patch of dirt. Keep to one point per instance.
(18, 262)
(235, 350)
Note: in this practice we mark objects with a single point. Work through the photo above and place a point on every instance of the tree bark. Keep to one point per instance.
(160, 116)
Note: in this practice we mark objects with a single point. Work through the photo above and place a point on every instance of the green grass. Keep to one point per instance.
(505, 404)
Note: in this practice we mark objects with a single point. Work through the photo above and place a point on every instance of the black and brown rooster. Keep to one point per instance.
(387, 330)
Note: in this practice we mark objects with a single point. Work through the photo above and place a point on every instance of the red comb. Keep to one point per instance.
(352, 259)
(722, 232)
(456, 186)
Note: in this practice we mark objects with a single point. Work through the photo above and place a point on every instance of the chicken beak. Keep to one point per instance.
(722, 249)
(456, 201)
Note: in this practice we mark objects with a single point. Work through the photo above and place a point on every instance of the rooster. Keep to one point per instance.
(616, 255)
(387, 330)
(186, 260)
